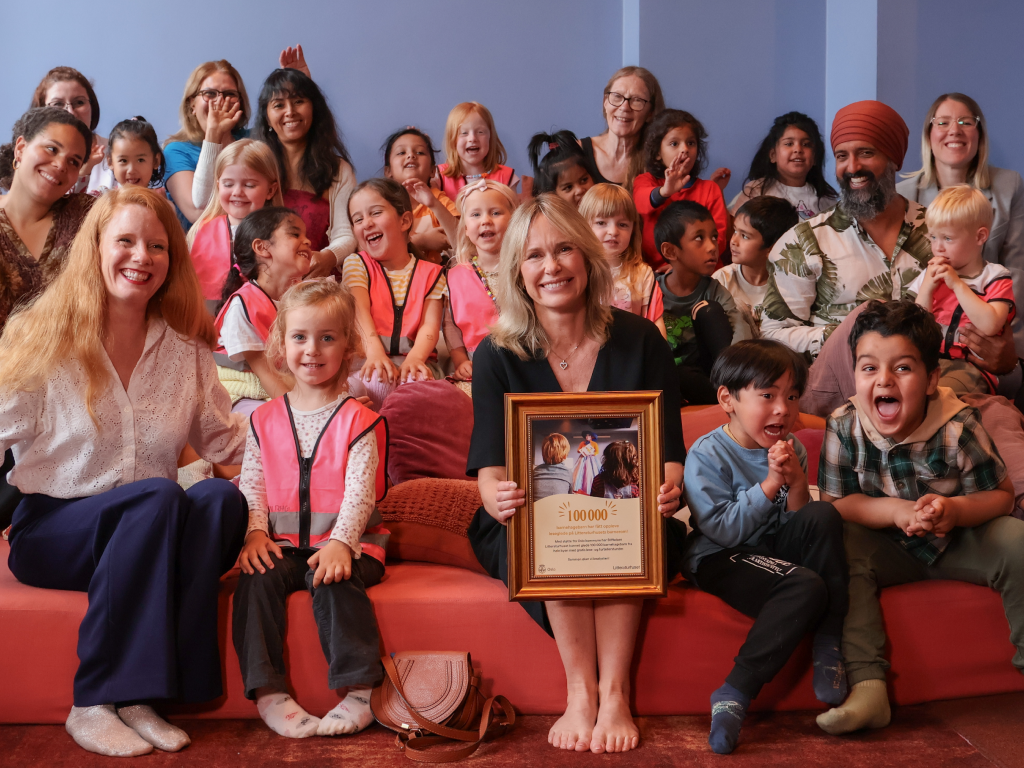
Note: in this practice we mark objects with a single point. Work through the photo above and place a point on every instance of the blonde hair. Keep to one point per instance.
(464, 248)
(555, 448)
(978, 174)
(603, 200)
(254, 155)
(637, 164)
(960, 206)
(190, 131)
(68, 320)
(517, 329)
(495, 152)
(336, 300)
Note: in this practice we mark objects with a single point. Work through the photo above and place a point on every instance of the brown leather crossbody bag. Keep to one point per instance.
(433, 698)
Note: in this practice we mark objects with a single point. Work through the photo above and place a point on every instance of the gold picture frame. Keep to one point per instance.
(566, 546)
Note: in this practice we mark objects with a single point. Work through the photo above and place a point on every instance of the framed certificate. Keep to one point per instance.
(592, 467)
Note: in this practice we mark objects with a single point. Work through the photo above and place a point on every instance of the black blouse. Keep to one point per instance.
(588, 149)
(635, 357)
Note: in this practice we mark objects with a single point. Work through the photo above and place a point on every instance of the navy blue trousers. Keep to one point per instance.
(150, 555)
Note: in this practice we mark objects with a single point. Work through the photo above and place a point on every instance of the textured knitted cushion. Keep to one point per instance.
(428, 519)
(429, 426)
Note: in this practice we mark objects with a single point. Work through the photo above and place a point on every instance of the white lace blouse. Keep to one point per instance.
(173, 397)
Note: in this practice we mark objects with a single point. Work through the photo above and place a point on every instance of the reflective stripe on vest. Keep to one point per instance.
(211, 256)
(472, 309)
(408, 317)
(502, 174)
(304, 495)
(258, 307)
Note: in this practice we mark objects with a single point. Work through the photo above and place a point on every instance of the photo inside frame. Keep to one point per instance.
(585, 489)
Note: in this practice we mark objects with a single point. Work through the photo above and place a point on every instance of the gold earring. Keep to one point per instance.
(16, 164)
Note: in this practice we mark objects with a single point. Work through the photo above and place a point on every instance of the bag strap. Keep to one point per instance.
(417, 744)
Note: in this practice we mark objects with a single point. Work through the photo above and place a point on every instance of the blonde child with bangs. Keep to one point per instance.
(611, 213)
(960, 287)
(313, 471)
(473, 151)
(246, 179)
(485, 209)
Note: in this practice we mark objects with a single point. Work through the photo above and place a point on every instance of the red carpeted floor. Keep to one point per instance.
(969, 732)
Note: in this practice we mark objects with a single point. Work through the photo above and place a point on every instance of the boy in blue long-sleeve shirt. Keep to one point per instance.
(759, 542)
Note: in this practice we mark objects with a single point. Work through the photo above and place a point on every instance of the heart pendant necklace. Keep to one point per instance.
(565, 360)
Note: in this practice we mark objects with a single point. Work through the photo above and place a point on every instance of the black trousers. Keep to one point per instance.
(714, 333)
(344, 621)
(794, 581)
(150, 555)
(9, 495)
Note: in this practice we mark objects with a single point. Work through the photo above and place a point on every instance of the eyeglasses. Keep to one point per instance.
(70, 106)
(963, 122)
(211, 93)
(635, 103)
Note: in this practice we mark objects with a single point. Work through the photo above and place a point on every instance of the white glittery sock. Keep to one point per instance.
(350, 716)
(98, 729)
(144, 720)
(284, 716)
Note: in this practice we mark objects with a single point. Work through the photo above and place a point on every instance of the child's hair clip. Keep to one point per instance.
(552, 145)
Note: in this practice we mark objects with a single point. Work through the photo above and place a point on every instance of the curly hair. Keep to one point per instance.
(656, 132)
(621, 462)
(30, 125)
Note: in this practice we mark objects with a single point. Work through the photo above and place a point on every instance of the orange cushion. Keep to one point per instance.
(428, 519)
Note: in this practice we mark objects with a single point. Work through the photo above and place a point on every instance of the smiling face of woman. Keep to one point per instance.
(623, 120)
(48, 165)
(218, 81)
(554, 270)
(70, 95)
(290, 116)
(134, 256)
(955, 145)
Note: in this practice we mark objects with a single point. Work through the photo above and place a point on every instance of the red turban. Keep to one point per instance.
(876, 123)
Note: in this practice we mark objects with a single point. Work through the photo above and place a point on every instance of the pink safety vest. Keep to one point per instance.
(305, 494)
(211, 255)
(473, 311)
(655, 304)
(258, 307)
(502, 174)
(408, 317)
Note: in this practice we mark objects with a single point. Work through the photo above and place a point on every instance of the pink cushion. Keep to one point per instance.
(429, 427)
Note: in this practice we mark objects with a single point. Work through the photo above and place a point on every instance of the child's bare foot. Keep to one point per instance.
(573, 729)
(615, 730)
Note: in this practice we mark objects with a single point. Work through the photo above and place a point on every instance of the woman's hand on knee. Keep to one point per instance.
(256, 551)
(333, 562)
(509, 498)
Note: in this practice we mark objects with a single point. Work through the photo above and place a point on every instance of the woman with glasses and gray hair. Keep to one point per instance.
(955, 150)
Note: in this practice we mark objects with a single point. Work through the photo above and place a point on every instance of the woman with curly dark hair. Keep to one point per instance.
(294, 119)
(790, 163)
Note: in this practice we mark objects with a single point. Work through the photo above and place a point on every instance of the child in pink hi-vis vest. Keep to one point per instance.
(473, 151)
(485, 208)
(246, 179)
(313, 471)
(399, 296)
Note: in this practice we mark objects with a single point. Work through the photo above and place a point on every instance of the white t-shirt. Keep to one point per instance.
(748, 297)
(804, 198)
(623, 298)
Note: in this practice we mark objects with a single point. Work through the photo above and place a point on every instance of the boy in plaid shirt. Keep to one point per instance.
(923, 492)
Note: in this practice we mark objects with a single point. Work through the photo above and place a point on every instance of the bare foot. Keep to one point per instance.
(572, 730)
(615, 730)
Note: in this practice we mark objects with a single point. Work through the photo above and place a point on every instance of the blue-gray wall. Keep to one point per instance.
(541, 64)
